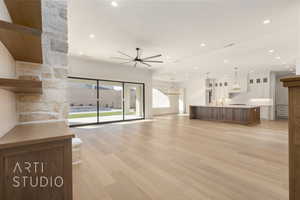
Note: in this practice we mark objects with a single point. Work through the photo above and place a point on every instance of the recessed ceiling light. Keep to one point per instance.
(92, 36)
(114, 4)
(271, 51)
(81, 53)
(278, 58)
(226, 61)
(267, 21)
(196, 68)
(202, 44)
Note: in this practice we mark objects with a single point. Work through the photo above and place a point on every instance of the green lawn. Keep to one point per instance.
(85, 115)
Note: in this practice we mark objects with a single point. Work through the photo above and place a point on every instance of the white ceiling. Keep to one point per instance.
(176, 29)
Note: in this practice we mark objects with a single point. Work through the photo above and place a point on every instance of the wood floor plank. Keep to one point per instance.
(173, 157)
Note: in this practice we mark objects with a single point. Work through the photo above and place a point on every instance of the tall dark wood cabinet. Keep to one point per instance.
(293, 84)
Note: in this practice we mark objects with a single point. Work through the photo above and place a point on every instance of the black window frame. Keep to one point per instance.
(98, 95)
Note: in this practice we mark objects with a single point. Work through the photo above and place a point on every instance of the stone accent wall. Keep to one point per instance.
(52, 105)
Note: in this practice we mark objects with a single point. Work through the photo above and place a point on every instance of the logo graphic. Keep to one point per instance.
(32, 174)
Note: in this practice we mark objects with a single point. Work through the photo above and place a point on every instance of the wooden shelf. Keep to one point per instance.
(25, 12)
(23, 43)
(21, 86)
(35, 133)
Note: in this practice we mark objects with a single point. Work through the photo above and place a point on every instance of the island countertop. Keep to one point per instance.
(241, 114)
(227, 106)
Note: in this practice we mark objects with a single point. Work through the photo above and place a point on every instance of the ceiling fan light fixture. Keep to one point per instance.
(138, 58)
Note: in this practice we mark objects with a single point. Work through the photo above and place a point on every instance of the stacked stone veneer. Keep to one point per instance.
(52, 104)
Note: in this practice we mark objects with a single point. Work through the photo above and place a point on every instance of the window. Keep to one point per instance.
(265, 80)
(251, 81)
(95, 101)
(225, 84)
(220, 84)
(159, 99)
(258, 80)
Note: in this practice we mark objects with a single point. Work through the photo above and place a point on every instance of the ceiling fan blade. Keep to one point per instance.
(146, 64)
(119, 58)
(125, 54)
(125, 62)
(152, 57)
(153, 61)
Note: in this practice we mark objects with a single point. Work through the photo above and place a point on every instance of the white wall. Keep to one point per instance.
(195, 92)
(86, 68)
(174, 99)
(8, 116)
(282, 96)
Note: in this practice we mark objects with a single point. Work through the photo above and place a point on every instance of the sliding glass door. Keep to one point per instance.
(82, 96)
(133, 101)
(94, 101)
(110, 101)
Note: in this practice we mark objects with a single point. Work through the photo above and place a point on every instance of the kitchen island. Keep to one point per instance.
(241, 114)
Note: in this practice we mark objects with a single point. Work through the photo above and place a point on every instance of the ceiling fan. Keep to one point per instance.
(138, 58)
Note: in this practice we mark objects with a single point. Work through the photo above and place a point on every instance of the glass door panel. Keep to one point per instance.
(110, 101)
(133, 101)
(82, 97)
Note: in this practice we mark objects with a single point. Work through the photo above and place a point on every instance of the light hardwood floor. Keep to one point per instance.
(174, 158)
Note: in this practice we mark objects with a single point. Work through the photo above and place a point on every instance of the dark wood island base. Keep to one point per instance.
(246, 115)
